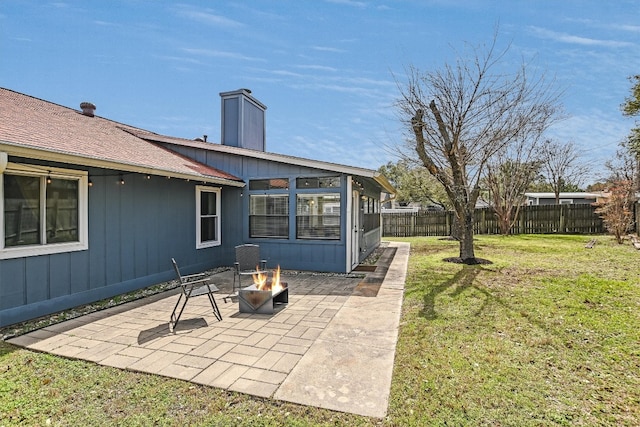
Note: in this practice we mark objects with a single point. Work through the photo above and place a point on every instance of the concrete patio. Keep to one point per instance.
(332, 346)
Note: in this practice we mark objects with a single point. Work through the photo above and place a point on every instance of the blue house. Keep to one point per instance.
(92, 208)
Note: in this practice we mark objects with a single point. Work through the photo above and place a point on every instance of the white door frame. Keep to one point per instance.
(355, 228)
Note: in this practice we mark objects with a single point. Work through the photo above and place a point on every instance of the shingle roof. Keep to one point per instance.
(31, 123)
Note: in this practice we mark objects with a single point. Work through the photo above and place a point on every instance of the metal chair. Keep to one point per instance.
(193, 285)
(247, 263)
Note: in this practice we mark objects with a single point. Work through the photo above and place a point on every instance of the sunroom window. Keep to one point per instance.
(269, 215)
(208, 217)
(318, 216)
(42, 212)
(318, 182)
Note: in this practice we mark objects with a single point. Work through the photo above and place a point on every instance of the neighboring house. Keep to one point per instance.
(92, 208)
(535, 199)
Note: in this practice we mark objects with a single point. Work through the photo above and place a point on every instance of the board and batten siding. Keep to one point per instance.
(291, 253)
(134, 231)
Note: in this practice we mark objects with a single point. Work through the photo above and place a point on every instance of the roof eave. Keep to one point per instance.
(57, 156)
(384, 183)
(280, 158)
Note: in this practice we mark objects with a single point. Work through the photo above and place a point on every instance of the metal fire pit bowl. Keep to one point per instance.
(253, 300)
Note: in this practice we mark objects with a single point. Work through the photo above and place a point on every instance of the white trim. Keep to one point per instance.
(280, 158)
(83, 212)
(61, 157)
(4, 160)
(354, 248)
(347, 214)
(325, 218)
(210, 243)
(563, 195)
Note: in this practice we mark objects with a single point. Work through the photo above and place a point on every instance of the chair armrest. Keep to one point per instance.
(193, 276)
(195, 282)
(195, 289)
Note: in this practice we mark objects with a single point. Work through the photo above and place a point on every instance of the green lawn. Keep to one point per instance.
(549, 334)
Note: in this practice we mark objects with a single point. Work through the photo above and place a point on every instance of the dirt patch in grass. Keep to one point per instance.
(467, 261)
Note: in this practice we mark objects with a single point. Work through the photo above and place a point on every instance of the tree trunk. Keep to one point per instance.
(504, 219)
(456, 228)
(467, 253)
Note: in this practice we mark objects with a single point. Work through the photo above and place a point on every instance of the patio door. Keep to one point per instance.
(355, 228)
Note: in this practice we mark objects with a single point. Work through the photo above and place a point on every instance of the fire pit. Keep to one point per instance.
(254, 300)
(264, 295)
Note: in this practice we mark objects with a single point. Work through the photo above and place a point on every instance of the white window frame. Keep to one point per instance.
(324, 218)
(209, 243)
(83, 212)
(269, 216)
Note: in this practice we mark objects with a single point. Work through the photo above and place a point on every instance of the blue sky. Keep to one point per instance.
(326, 70)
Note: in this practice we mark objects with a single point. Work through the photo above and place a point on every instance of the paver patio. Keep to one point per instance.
(331, 346)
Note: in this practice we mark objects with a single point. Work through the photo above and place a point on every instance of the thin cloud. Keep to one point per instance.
(221, 54)
(328, 49)
(363, 91)
(630, 28)
(571, 39)
(352, 3)
(600, 143)
(178, 59)
(106, 24)
(363, 86)
(263, 15)
(262, 79)
(286, 73)
(368, 81)
(206, 16)
(317, 68)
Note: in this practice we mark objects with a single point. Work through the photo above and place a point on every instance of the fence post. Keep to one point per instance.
(413, 224)
(562, 228)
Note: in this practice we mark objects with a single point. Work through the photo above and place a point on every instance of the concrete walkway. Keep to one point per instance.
(332, 346)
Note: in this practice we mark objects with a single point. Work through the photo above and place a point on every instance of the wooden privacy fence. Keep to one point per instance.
(544, 219)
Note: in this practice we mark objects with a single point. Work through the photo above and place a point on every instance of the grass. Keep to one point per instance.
(549, 334)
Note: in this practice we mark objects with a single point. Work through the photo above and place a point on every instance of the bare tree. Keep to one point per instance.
(509, 174)
(561, 166)
(462, 114)
(617, 210)
(624, 166)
